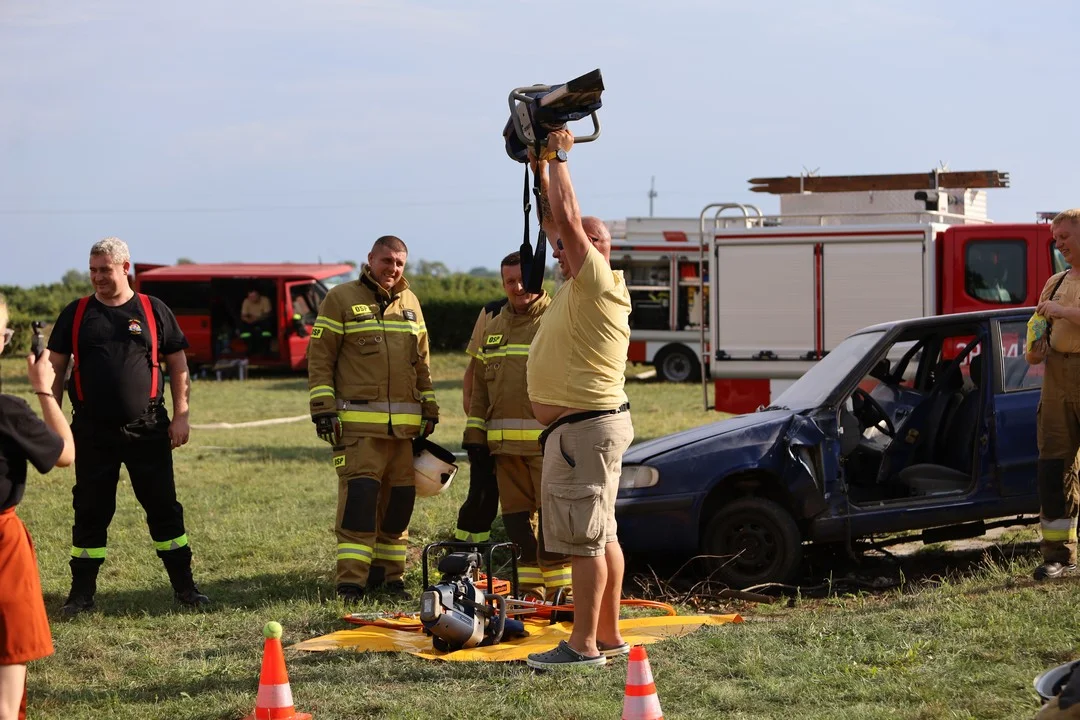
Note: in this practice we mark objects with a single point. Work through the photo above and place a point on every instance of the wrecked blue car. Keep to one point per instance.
(924, 425)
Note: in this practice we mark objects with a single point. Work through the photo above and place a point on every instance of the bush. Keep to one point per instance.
(41, 302)
(451, 304)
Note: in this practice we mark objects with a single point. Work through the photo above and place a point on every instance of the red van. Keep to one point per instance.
(206, 298)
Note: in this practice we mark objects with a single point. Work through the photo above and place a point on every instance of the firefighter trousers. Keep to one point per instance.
(481, 505)
(376, 492)
(143, 448)
(1058, 423)
(540, 571)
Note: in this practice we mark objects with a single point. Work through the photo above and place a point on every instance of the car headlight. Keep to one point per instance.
(638, 476)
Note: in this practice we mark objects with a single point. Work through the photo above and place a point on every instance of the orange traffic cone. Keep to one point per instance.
(640, 701)
(274, 701)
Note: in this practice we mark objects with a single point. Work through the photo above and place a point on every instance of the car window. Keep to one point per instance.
(1016, 373)
(817, 383)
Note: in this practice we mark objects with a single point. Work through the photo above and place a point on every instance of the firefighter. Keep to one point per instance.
(1059, 404)
(501, 416)
(481, 505)
(370, 391)
(116, 337)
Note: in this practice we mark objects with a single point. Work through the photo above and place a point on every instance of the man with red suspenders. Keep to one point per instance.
(117, 338)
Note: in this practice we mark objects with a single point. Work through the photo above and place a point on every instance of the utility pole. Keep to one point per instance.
(652, 193)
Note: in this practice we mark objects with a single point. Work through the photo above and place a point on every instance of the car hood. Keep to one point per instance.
(753, 426)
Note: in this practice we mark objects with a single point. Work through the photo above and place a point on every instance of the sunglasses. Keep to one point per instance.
(558, 242)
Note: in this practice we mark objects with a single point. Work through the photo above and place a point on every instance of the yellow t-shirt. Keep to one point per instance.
(258, 308)
(1064, 335)
(578, 357)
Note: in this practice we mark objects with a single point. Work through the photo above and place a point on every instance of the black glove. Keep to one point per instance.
(328, 427)
(428, 426)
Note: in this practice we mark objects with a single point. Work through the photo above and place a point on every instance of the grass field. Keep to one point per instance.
(259, 506)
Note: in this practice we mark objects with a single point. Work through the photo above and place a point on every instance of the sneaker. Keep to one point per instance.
(192, 597)
(77, 603)
(563, 656)
(396, 589)
(1050, 571)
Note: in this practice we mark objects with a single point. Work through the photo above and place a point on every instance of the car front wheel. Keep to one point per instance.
(752, 541)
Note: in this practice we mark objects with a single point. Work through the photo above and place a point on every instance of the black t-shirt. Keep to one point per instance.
(114, 356)
(23, 437)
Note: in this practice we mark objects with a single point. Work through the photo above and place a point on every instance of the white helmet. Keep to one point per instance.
(434, 466)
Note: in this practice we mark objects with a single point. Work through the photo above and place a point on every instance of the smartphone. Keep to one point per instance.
(37, 344)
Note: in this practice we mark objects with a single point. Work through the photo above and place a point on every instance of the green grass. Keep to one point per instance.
(259, 506)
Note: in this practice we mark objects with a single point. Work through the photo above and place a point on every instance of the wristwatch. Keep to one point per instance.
(560, 155)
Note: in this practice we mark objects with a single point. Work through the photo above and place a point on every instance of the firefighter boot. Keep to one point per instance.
(1058, 520)
(350, 594)
(83, 588)
(178, 566)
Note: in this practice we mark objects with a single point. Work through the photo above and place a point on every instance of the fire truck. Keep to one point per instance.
(752, 300)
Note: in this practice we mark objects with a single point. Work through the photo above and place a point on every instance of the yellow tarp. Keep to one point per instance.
(636, 631)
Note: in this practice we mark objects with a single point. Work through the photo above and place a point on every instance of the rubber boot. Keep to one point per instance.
(178, 566)
(83, 587)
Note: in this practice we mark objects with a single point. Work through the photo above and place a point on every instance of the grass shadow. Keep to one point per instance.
(226, 595)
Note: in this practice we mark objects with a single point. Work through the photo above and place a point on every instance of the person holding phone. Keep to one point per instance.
(24, 440)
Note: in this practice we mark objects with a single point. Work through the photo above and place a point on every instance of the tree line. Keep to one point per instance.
(450, 301)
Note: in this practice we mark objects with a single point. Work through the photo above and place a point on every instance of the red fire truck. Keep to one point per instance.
(206, 298)
(844, 252)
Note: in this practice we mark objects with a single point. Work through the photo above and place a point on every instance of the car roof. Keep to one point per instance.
(246, 270)
(932, 320)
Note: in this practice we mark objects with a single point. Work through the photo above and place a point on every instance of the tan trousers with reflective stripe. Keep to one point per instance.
(518, 478)
(390, 462)
(1059, 440)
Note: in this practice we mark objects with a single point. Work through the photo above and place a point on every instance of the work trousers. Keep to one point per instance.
(143, 447)
(1058, 422)
(376, 493)
(257, 335)
(539, 571)
(481, 505)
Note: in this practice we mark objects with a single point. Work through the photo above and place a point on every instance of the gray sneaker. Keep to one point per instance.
(563, 656)
(1050, 571)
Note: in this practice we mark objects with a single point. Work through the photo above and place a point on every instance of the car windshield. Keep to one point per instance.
(333, 280)
(822, 378)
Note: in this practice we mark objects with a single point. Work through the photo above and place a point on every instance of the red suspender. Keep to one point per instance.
(148, 311)
(155, 369)
(79, 310)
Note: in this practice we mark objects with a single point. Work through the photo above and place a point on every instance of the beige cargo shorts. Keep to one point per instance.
(582, 465)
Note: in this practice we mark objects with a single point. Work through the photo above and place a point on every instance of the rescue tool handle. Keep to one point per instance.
(37, 343)
(518, 95)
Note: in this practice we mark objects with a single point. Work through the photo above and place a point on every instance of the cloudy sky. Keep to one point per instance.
(268, 130)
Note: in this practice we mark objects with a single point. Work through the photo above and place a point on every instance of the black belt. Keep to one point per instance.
(578, 417)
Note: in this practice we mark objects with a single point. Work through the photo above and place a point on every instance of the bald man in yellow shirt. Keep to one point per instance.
(575, 376)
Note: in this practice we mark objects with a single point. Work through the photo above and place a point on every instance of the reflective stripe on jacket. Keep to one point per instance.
(368, 360)
(500, 413)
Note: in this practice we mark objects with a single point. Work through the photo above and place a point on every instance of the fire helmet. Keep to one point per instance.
(434, 466)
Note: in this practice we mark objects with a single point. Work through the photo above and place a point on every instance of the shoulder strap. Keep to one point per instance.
(80, 310)
(155, 370)
(1049, 322)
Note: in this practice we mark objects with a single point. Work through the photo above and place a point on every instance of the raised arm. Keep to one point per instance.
(566, 215)
(42, 381)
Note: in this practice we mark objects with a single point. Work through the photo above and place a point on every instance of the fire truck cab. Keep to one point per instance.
(844, 253)
(206, 299)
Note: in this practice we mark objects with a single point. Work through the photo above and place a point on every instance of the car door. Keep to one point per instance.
(1016, 398)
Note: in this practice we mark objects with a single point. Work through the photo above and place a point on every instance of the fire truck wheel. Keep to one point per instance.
(753, 541)
(677, 364)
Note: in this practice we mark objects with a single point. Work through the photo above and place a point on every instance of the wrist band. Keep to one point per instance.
(42, 392)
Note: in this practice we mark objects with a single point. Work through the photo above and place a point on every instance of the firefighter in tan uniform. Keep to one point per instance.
(1059, 404)
(370, 390)
(501, 416)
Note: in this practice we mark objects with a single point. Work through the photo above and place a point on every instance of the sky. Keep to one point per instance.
(267, 130)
